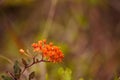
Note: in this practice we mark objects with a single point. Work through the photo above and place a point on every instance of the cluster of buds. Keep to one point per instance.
(48, 51)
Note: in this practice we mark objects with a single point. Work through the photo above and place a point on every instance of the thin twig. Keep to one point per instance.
(34, 62)
(12, 76)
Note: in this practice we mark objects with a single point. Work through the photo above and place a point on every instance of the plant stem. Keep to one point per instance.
(12, 76)
(34, 62)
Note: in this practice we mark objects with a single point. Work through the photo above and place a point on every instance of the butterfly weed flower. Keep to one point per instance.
(48, 51)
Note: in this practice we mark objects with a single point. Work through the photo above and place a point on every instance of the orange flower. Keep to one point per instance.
(49, 51)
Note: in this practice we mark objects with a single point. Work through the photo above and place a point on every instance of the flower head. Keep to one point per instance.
(49, 51)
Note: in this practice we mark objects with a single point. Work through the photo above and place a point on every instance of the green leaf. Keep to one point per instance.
(32, 75)
(17, 70)
(60, 71)
(65, 74)
(24, 62)
(6, 77)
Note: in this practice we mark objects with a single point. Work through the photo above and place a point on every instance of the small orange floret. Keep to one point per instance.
(34, 45)
(22, 51)
(44, 41)
(51, 44)
(40, 42)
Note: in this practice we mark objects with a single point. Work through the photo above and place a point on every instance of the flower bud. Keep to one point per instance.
(22, 51)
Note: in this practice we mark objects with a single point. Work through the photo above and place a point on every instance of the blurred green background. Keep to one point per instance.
(87, 31)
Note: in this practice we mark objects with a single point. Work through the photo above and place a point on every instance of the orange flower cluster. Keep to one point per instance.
(49, 51)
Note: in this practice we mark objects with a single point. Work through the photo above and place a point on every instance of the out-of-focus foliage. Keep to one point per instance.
(81, 79)
(31, 75)
(87, 31)
(6, 78)
(16, 2)
(17, 70)
(65, 74)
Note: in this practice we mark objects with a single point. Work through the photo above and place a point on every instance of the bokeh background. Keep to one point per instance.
(87, 31)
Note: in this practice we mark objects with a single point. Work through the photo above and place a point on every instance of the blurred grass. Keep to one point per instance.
(5, 60)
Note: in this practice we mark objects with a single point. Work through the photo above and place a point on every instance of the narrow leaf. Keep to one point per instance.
(32, 75)
(17, 70)
(24, 62)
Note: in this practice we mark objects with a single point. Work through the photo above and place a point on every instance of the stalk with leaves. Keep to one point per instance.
(48, 53)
